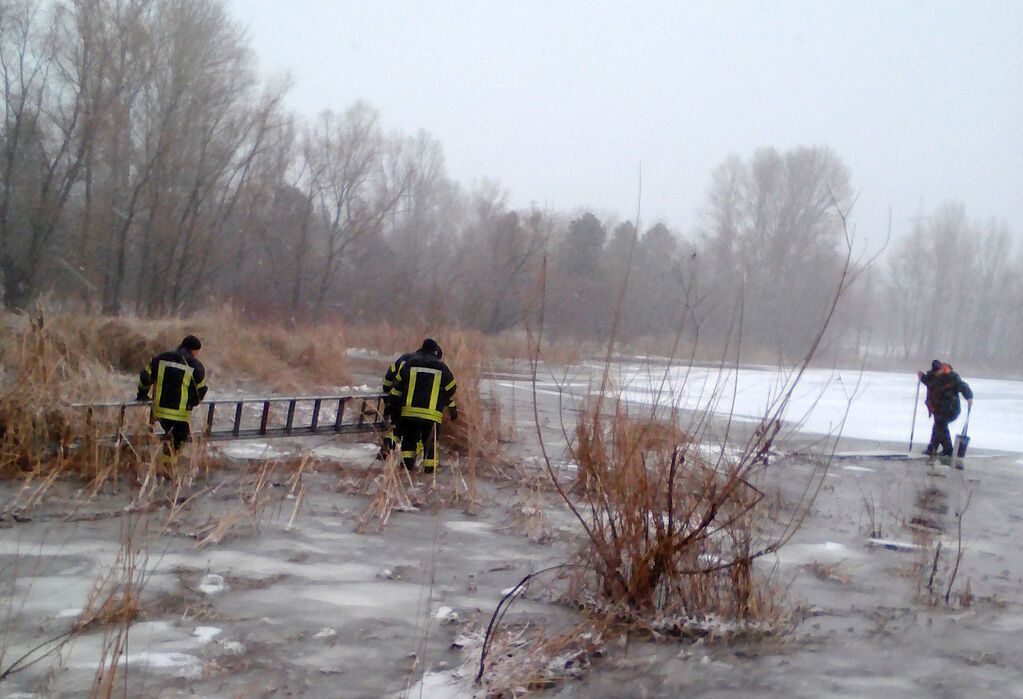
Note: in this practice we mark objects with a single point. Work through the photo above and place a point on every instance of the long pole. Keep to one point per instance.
(916, 402)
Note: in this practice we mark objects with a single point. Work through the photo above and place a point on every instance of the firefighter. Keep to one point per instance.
(423, 386)
(390, 442)
(943, 388)
(178, 380)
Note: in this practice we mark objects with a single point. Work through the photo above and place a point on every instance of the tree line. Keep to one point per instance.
(146, 168)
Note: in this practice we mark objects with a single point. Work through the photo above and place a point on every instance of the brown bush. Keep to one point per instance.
(668, 533)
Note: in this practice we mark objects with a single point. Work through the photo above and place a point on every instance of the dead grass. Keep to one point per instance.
(668, 533)
(390, 491)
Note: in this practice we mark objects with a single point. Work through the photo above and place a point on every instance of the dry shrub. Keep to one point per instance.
(392, 486)
(478, 431)
(263, 489)
(523, 659)
(41, 376)
(273, 357)
(669, 535)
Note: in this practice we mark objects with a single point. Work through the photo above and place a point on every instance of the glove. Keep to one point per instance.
(141, 396)
(454, 413)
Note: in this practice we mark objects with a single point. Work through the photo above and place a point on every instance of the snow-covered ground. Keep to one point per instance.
(872, 405)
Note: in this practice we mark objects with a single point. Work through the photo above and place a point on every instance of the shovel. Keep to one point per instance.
(962, 440)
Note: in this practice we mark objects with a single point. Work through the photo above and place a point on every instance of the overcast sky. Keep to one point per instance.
(561, 101)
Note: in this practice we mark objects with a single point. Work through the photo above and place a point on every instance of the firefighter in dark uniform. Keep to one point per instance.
(178, 381)
(423, 386)
(390, 442)
(943, 388)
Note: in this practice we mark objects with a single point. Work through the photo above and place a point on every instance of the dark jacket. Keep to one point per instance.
(179, 384)
(943, 388)
(392, 371)
(423, 387)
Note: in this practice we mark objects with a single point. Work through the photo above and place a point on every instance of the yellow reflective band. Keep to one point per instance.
(182, 412)
(158, 391)
(148, 370)
(423, 413)
(171, 414)
(408, 455)
(435, 393)
(451, 386)
(201, 384)
(429, 462)
(411, 389)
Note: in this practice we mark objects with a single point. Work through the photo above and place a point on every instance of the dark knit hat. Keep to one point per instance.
(191, 343)
(936, 365)
(430, 345)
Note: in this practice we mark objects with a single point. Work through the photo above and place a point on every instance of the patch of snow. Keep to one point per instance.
(71, 612)
(362, 388)
(461, 641)
(212, 584)
(365, 353)
(325, 633)
(446, 615)
(860, 469)
(233, 647)
(206, 633)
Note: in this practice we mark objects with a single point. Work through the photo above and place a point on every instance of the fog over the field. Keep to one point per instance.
(561, 101)
(469, 164)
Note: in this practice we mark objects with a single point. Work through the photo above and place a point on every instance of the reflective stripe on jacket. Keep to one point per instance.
(179, 384)
(423, 387)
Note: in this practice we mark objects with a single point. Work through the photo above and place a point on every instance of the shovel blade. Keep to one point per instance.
(962, 442)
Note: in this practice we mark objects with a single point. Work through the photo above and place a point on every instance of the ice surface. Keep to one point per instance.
(439, 685)
(880, 404)
(251, 449)
(826, 552)
(893, 544)
(469, 527)
(346, 452)
(179, 664)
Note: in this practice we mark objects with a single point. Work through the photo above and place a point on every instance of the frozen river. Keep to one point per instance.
(871, 405)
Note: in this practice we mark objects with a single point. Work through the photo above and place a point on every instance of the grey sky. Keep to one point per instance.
(559, 101)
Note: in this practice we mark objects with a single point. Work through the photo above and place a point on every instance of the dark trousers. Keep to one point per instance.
(413, 432)
(390, 437)
(940, 435)
(175, 432)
